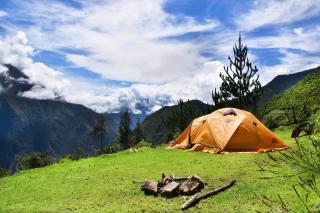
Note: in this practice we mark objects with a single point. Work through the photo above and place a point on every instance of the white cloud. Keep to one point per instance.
(151, 96)
(290, 63)
(298, 31)
(274, 12)
(122, 40)
(16, 51)
(306, 40)
(138, 97)
(3, 13)
(3, 69)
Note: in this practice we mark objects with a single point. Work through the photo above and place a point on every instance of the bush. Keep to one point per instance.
(275, 119)
(143, 143)
(4, 172)
(176, 134)
(66, 158)
(315, 122)
(114, 147)
(34, 160)
(304, 159)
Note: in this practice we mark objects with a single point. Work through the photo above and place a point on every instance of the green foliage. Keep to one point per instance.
(138, 134)
(4, 172)
(99, 131)
(83, 186)
(114, 147)
(34, 160)
(302, 159)
(305, 157)
(306, 192)
(79, 153)
(239, 80)
(124, 129)
(275, 119)
(297, 103)
(176, 134)
(66, 158)
(182, 116)
(315, 122)
(143, 143)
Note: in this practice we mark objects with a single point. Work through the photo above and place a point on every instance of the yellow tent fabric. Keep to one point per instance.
(228, 130)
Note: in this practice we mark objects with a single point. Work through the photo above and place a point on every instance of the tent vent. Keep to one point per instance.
(230, 112)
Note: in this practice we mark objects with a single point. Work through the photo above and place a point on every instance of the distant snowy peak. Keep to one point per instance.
(13, 81)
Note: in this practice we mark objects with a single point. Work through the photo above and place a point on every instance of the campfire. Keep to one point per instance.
(172, 186)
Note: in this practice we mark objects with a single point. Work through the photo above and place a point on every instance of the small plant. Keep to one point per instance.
(306, 188)
(4, 172)
(66, 158)
(315, 122)
(114, 147)
(79, 153)
(303, 159)
(176, 134)
(34, 160)
(143, 143)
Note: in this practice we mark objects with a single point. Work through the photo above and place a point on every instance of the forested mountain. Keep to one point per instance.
(53, 126)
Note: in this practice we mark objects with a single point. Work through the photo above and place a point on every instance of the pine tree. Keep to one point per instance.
(138, 133)
(100, 131)
(240, 81)
(124, 129)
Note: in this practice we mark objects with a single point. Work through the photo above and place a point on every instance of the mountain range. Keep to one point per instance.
(51, 126)
(59, 128)
(157, 132)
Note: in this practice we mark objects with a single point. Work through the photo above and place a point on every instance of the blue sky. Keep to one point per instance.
(111, 54)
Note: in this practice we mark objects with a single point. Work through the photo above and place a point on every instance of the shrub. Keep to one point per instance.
(34, 160)
(66, 158)
(4, 172)
(143, 143)
(304, 159)
(99, 152)
(275, 119)
(114, 147)
(306, 188)
(315, 122)
(176, 134)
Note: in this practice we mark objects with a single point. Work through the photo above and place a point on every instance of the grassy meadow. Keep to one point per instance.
(109, 183)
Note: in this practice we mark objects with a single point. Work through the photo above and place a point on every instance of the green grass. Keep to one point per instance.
(306, 93)
(107, 183)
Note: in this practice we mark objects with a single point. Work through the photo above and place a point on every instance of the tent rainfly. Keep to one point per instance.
(228, 130)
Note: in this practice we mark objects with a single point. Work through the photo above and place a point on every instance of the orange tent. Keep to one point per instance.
(228, 130)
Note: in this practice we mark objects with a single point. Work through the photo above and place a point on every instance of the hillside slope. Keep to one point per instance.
(305, 91)
(157, 132)
(154, 125)
(134, 118)
(111, 183)
(282, 83)
(56, 127)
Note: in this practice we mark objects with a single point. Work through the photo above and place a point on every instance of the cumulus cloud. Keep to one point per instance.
(122, 40)
(139, 97)
(3, 13)
(290, 63)
(16, 51)
(150, 97)
(137, 42)
(298, 38)
(274, 12)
